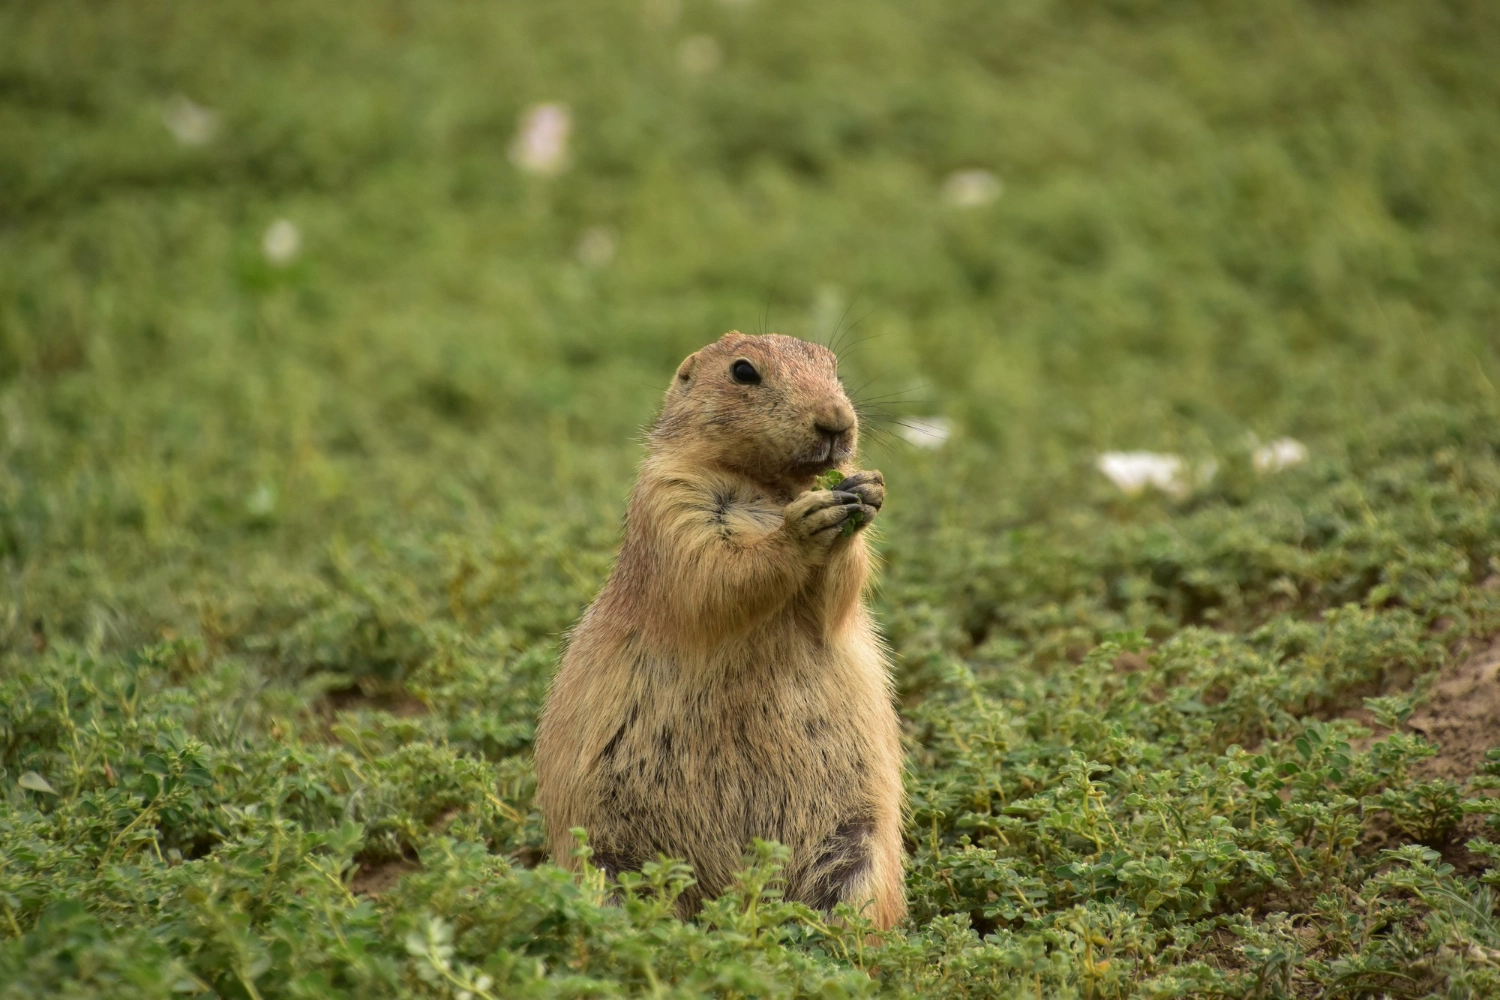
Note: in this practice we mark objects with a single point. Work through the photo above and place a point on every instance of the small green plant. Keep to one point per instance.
(830, 479)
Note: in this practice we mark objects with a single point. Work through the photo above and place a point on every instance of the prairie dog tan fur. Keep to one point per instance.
(728, 683)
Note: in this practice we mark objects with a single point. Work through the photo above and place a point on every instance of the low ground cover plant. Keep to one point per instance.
(320, 379)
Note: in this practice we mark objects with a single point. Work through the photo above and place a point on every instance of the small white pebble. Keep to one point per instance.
(541, 143)
(699, 55)
(282, 242)
(926, 432)
(1133, 471)
(189, 122)
(971, 188)
(1279, 454)
(596, 247)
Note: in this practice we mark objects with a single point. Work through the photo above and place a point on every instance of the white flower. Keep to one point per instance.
(699, 55)
(596, 247)
(1279, 454)
(926, 432)
(971, 188)
(282, 242)
(1133, 471)
(191, 123)
(541, 144)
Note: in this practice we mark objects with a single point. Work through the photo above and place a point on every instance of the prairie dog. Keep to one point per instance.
(728, 683)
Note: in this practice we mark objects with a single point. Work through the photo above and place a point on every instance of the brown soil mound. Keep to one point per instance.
(1462, 714)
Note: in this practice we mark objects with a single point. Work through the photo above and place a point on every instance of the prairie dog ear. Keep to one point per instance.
(685, 370)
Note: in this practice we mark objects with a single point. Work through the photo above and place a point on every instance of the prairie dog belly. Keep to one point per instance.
(709, 756)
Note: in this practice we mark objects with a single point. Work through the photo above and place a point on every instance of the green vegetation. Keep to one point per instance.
(288, 547)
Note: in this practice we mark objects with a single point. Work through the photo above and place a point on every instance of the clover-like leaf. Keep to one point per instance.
(36, 783)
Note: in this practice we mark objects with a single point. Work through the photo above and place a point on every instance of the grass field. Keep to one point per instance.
(290, 533)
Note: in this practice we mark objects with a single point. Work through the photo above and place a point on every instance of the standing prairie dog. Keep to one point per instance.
(728, 683)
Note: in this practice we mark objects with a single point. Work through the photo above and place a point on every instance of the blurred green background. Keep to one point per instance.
(318, 410)
(1279, 218)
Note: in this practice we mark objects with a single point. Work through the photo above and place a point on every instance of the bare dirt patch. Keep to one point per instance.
(394, 700)
(372, 880)
(1462, 714)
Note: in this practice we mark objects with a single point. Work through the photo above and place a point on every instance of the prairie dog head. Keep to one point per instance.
(770, 407)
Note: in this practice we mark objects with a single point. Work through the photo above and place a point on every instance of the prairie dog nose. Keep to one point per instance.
(833, 417)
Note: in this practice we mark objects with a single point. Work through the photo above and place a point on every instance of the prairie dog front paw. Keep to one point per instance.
(869, 486)
(816, 519)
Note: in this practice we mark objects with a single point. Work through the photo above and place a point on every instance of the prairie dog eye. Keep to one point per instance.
(744, 372)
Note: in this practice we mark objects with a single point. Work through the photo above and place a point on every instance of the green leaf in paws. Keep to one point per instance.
(855, 519)
(830, 479)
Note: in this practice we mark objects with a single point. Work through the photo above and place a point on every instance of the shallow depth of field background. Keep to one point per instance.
(318, 411)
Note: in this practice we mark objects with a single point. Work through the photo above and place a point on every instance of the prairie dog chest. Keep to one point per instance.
(783, 708)
(737, 512)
